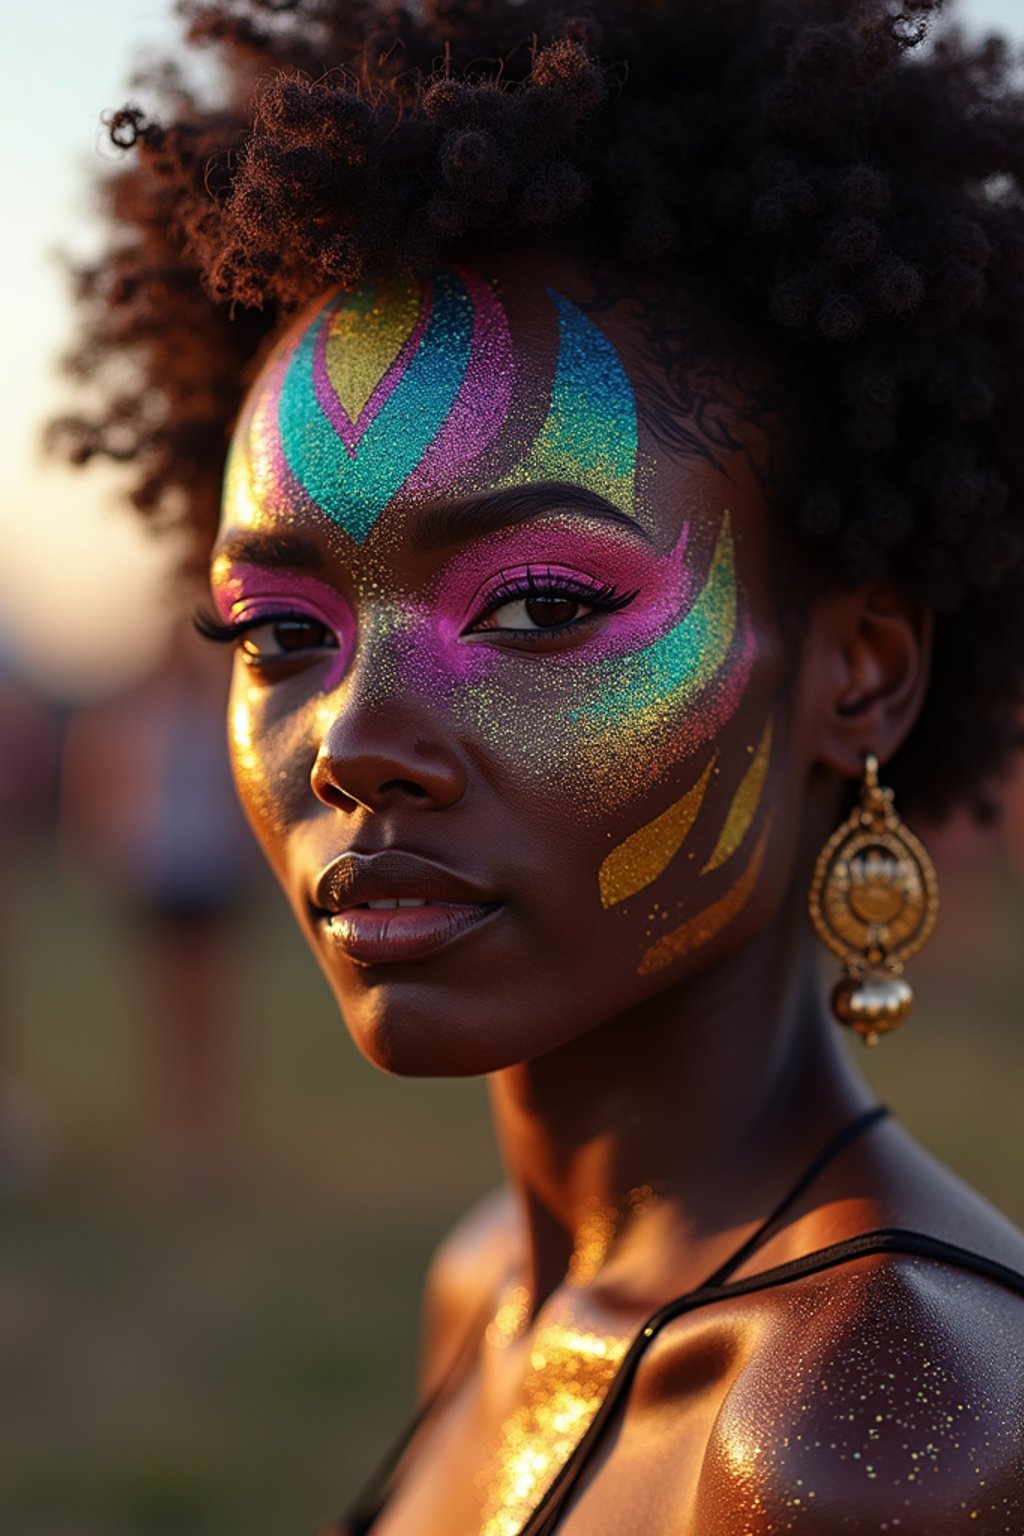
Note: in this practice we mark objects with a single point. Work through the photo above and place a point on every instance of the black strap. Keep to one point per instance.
(374, 1494)
(549, 1511)
(839, 1143)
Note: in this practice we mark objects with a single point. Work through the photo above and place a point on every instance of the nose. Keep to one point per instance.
(386, 758)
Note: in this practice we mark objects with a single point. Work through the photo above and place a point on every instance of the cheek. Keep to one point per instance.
(605, 728)
(271, 761)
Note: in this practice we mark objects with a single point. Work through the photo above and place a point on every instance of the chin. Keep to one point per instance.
(414, 1028)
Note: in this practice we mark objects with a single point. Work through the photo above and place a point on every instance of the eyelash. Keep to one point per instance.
(211, 628)
(602, 597)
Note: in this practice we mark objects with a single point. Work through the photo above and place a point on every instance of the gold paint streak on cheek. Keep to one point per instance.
(646, 854)
(708, 924)
(744, 805)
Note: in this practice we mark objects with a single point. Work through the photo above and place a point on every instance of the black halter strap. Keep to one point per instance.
(886, 1240)
(714, 1288)
(374, 1494)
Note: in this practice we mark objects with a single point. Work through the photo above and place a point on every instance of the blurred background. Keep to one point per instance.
(214, 1218)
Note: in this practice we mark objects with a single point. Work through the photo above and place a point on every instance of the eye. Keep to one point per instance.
(274, 638)
(549, 610)
(271, 637)
(536, 603)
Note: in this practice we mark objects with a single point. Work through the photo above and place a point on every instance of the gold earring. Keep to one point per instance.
(874, 901)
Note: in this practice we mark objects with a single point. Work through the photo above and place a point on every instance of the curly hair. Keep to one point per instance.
(843, 186)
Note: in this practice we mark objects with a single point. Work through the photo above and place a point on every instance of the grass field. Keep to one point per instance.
(232, 1363)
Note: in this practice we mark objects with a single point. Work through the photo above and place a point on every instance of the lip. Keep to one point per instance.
(454, 906)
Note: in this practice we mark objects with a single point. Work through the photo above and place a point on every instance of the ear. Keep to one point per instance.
(864, 671)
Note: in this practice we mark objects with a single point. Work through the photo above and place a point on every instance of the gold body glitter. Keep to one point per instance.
(646, 854)
(708, 924)
(569, 1372)
(744, 806)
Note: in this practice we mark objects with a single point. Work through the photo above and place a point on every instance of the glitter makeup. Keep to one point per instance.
(744, 805)
(708, 924)
(569, 1372)
(645, 855)
(390, 388)
(590, 435)
(669, 674)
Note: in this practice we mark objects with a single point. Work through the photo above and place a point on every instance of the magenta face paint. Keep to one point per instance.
(248, 592)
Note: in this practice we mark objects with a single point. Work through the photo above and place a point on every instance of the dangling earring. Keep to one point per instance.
(874, 901)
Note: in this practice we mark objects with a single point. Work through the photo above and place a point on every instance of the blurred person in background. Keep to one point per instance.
(149, 810)
(29, 749)
(626, 405)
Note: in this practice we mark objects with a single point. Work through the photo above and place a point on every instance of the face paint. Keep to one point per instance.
(668, 675)
(402, 405)
(400, 389)
(389, 389)
(707, 925)
(245, 592)
(615, 714)
(744, 805)
(590, 435)
(638, 862)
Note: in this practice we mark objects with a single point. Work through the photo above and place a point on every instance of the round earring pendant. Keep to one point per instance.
(871, 1006)
(874, 889)
(874, 901)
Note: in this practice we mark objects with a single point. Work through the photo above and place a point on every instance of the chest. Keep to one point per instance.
(485, 1463)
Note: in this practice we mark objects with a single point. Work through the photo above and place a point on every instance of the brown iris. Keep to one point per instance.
(550, 612)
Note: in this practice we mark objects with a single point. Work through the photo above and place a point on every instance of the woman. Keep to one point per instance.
(639, 471)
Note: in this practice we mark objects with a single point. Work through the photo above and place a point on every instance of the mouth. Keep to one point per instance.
(387, 907)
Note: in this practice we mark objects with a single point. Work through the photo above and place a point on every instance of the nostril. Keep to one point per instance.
(403, 787)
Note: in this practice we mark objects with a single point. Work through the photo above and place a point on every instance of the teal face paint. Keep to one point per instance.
(590, 435)
(400, 388)
(632, 693)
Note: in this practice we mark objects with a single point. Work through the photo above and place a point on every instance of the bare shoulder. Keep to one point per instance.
(884, 1396)
(465, 1274)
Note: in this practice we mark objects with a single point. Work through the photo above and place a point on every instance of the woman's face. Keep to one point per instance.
(505, 709)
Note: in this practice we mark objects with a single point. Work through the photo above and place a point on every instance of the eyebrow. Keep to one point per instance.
(270, 550)
(442, 525)
(474, 516)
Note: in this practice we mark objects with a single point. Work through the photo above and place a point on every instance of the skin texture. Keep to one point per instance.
(638, 795)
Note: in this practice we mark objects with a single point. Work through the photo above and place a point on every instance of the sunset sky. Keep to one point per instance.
(80, 587)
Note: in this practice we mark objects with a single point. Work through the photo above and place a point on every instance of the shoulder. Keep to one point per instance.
(885, 1395)
(465, 1275)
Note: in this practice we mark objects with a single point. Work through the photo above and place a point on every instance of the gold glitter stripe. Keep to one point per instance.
(365, 339)
(708, 924)
(647, 853)
(744, 805)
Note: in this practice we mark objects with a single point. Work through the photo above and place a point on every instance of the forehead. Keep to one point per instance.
(408, 391)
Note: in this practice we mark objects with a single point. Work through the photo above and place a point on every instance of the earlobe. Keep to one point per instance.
(873, 660)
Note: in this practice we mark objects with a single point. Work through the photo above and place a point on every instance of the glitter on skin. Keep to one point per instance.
(569, 1372)
(708, 924)
(511, 1318)
(624, 711)
(590, 435)
(646, 854)
(244, 592)
(672, 671)
(655, 683)
(744, 805)
(386, 390)
(873, 1393)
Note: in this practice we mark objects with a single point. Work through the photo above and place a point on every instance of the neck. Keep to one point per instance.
(713, 1094)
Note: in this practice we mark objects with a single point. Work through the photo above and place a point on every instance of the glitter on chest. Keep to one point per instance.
(567, 1377)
